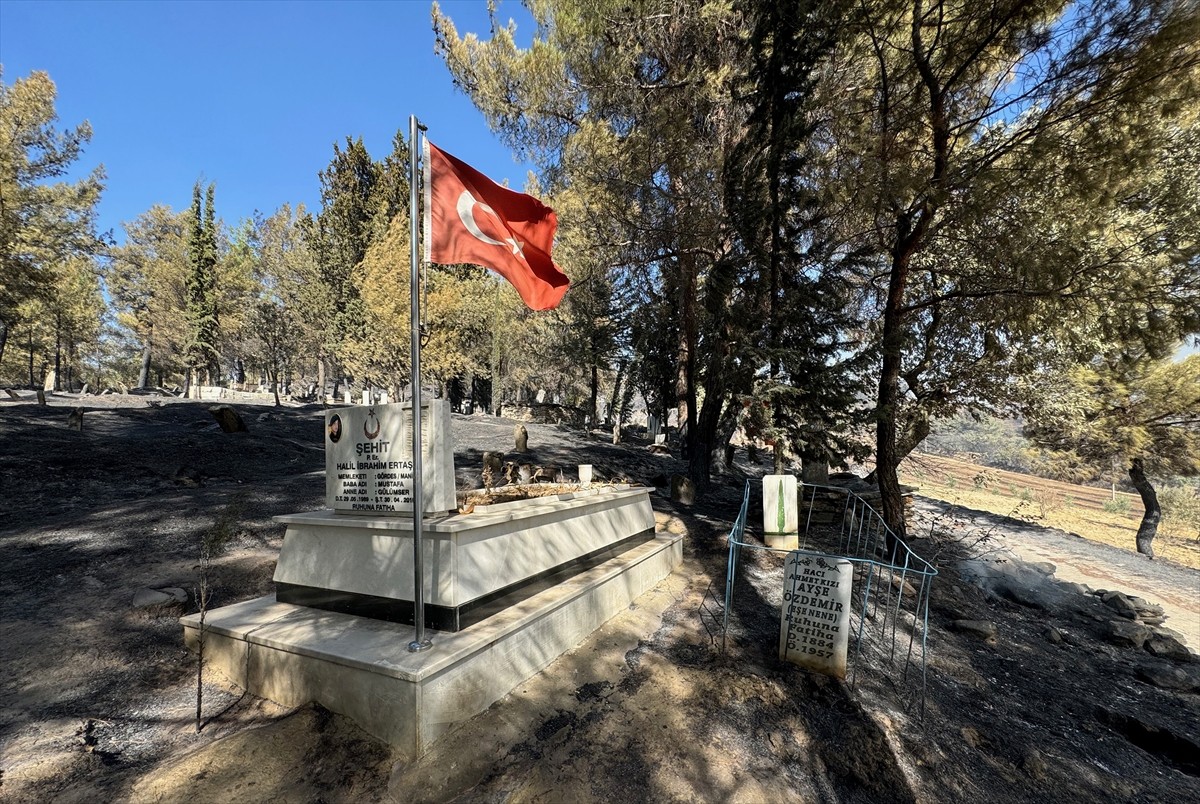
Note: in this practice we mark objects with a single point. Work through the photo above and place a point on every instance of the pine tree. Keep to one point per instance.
(43, 223)
(203, 354)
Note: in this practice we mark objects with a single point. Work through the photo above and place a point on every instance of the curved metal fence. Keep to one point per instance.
(890, 590)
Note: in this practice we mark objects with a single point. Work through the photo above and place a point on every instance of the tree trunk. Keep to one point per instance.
(32, 380)
(616, 407)
(594, 391)
(57, 354)
(886, 454)
(1148, 528)
(3, 339)
(144, 374)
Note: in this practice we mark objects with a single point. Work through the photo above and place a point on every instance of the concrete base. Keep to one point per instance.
(782, 541)
(362, 668)
(363, 565)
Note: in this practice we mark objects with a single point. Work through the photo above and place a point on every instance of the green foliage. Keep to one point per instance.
(1118, 506)
(1181, 509)
(1125, 405)
(147, 280)
(203, 315)
(44, 224)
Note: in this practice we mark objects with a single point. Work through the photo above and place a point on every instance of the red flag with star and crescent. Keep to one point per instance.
(474, 220)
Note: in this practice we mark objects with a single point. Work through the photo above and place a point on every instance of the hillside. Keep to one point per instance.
(1083, 510)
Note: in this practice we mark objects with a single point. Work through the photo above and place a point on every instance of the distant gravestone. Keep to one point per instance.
(660, 438)
(541, 396)
(585, 473)
(83, 391)
(521, 438)
(369, 465)
(383, 397)
(228, 419)
(493, 469)
(366, 397)
(781, 522)
(41, 396)
(815, 621)
(683, 490)
(51, 380)
(347, 398)
(75, 419)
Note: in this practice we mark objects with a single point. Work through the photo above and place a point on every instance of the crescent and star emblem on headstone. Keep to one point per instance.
(367, 431)
(466, 213)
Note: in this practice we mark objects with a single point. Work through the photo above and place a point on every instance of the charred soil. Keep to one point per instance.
(98, 695)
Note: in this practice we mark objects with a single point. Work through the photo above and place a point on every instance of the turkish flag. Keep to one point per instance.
(475, 220)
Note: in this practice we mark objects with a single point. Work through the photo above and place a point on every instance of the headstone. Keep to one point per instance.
(660, 438)
(41, 396)
(652, 426)
(521, 438)
(781, 521)
(493, 469)
(228, 419)
(51, 379)
(816, 472)
(683, 490)
(12, 394)
(347, 398)
(369, 465)
(383, 397)
(366, 397)
(83, 391)
(815, 623)
(585, 473)
(75, 419)
(541, 396)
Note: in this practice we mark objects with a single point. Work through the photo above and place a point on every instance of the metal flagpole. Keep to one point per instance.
(420, 641)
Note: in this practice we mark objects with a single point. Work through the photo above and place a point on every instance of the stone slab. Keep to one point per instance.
(362, 668)
(815, 619)
(781, 505)
(466, 556)
(369, 459)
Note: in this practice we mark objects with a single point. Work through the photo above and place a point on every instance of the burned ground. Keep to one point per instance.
(98, 697)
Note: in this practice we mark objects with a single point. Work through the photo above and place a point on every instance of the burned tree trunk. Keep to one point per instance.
(1148, 528)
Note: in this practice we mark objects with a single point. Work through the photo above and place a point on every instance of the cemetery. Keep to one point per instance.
(657, 401)
(572, 685)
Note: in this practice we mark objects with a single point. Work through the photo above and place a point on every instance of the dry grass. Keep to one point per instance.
(1076, 509)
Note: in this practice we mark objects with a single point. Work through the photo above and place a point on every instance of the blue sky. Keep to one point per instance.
(249, 95)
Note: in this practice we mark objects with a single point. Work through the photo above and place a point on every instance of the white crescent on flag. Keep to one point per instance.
(466, 213)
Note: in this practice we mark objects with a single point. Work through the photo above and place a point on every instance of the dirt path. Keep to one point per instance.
(1078, 560)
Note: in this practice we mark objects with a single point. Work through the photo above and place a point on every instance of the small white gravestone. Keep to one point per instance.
(661, 438)
(585, 473)
(366, 397)
(383, 397)
(815, 625)
(541, 396)
(346, 398)
(781, 516)
(368, 459)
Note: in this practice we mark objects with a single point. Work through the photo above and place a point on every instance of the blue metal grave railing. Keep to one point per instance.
(736, 537)
(886, 572)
